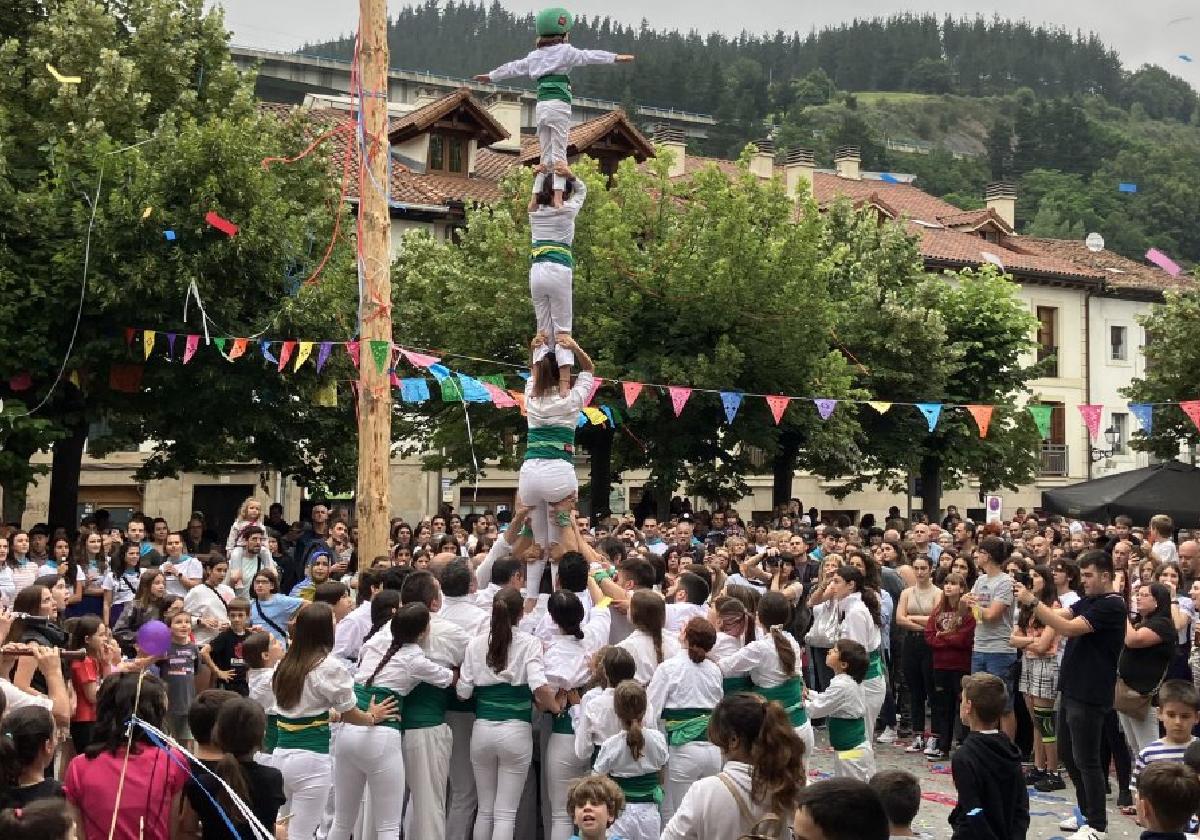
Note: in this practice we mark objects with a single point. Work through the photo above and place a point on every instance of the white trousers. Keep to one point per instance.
(460, 813)
(367, 760)
(553, 118)
(688, 763)
(858, 763)
(501, 752)
(639, 821)
(307, 780)
(559, 769)
(427, 768)
(543, 482)
(806, 734)
(874, 690)
(550, 287)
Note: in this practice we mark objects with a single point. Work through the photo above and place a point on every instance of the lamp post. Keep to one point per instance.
(1113, 438)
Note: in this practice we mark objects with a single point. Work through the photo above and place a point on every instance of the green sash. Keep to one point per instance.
(545, 250)
(379, 694)
(424, 707)
(846, 733)
(457, 704)
(554, 86)
(735, 684)
(790, 695)
(272, 736)
(503, 702)
(686, 726)
(550, 443)
(643, 789)
(304, 733)
(875, 666)
(562, 723)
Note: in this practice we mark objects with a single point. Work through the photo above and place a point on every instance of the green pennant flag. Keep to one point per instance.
(450, 390)
(1041, 416)
(381, 352)
(220, 342)
(496, 379)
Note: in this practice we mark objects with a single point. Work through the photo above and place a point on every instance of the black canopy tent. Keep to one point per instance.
(1172, 488)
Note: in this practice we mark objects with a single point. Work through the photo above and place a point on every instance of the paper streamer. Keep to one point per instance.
(285, 354)
(983, 417)
(932, 412)
(353, 349)
(679, 397)
(596, 383)
(824, 408)
(381, 352)
(323, 354)
(1164, 262)
(778, 404)
(1091, 418)
(500, 397)
(731, 401)
(215, 220)
(414, 390)
(1041, 417)
(473, 390)
(1144, 412)
(189, 348)
(419, 359)
(148, 342)
(302, 354)
(880, 406)
(632, 391)
(1192, 409)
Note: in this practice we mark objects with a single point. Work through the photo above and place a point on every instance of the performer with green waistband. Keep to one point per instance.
(858, 603)
(549, 63)
(634, 758)
(844, 705)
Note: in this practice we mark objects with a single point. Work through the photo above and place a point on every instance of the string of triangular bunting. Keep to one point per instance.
(460, 387)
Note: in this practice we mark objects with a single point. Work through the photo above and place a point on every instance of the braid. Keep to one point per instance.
(391, 651)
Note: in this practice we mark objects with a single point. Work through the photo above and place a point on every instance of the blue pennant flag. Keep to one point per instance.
(265, 346)
(932, 412)
(414, 390)
(524, 374)
(473, 390)
(1127, 187)
(582, 421)
(608, 413)
(731, 401)
(1144, 412)
(440, 372)
(889, 178)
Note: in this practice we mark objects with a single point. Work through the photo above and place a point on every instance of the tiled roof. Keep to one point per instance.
(975, 219)
(955, 247)
(585, 134)
(1120, 273)
(420, 120)
(906, 199)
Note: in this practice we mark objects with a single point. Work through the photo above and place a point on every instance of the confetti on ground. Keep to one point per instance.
(939, 798)
(61, 79)
(941, 769)
(222, 224)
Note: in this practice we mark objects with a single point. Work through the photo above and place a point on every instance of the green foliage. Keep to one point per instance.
(1159, 94)
(1172, 359)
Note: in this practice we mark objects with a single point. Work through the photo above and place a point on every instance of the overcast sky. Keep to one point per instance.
(1155, 31)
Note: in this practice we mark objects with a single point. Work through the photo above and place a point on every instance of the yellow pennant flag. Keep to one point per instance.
(146, 213)
(327, 397)
(881, 407)
(302, 354)
(595, 415)
(148, 341)
(74, 379)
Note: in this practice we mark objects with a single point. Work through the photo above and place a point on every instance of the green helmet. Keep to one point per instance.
(555, 21)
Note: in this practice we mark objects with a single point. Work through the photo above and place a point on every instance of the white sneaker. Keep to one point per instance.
(931, 747)
(916, 746)
(1089, 833)
(887, 736)
(1069, 824)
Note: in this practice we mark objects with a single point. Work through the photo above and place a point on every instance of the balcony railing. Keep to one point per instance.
(1049, 356)
(1054, 459)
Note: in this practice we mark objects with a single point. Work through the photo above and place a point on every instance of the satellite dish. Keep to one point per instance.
(1094, 242)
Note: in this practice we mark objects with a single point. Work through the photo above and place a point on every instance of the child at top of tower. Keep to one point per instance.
(549, 63)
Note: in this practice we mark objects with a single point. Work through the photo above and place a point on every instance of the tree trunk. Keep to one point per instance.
(64, 478)
(600, 479)
(14, 502)
(931, 487)
(783, 470)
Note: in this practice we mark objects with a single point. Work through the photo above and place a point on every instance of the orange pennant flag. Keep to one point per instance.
(983, 417)
(239, 348)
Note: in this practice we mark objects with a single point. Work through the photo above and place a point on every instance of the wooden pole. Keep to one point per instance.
(374, 393)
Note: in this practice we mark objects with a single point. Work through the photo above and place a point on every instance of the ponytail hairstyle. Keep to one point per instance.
(239, 732)
(255, 648)
(749, 596)
(774, 611)
(566, 610)
(410, 621)
(312, 641)
(26, 731)
(44, 819)
(648, 613)
(629, 703)
(870, 597)
(700, 636)
(507, 609)
(760, 733)
(731, 617)
(383, 607)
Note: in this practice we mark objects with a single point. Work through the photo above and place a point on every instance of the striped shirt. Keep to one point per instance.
(1160, 750)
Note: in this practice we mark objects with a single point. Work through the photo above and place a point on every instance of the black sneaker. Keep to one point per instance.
(1125, 799)
(1050, 782)
(1034, 775)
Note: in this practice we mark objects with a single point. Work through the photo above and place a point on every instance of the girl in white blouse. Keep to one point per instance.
(648, 644)
(859, 605)
(504, 671)
(596, 721)
(633, 758)
(309, 683)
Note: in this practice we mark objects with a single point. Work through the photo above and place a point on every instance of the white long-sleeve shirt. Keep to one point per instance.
(843, 699)
(350, 631)
(550, 409)
(616, 760)
(261, 690)
(641, 647)
(523, 667)
(708, 810)
(557, 224)
(857, 623)
(327, 686)
(403, 671)
(679, 613)
(204, 601)
(465, 613)
(680, 683)
(445, 643)
(567, 660)
(553, 60)
(760, 661)
(597, 721)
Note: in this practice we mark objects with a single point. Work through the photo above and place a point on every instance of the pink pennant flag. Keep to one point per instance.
(632, 391)
(983, 417)
(1192, 409)
(396, 380)
(419, 359)
(596, 383)
(189, 349)
(1164, 262)
(679, 397)
(352, 348)
(285, 354)
(500, 397)
(1091, 418)
(778, 405)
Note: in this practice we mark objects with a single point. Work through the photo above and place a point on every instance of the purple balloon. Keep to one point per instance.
(154, 638)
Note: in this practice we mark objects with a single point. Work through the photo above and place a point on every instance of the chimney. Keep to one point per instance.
(507, 112)
(797, 167)
(1002, 197)
(847, 160)
(673, 139)
(762, 163)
